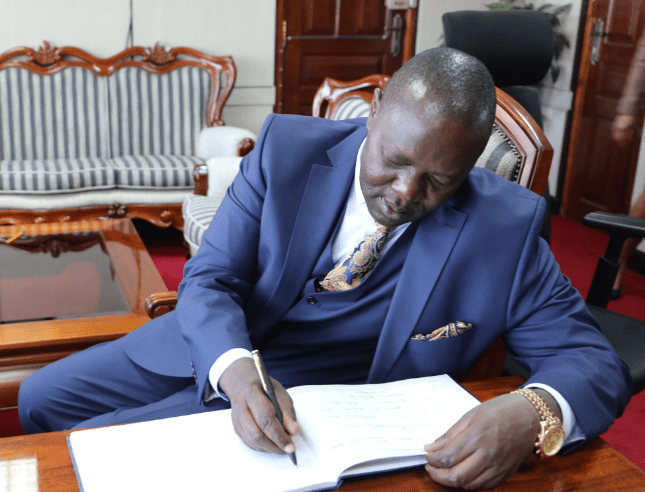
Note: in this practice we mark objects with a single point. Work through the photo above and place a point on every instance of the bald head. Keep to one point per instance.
(448, 83)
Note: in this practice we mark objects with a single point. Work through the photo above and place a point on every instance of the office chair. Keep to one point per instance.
(626, 334)
(517, 47)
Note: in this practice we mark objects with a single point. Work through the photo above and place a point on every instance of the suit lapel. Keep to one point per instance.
(322, 202)
(433, 241)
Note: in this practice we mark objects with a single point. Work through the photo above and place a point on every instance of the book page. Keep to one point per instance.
(193, 452)
(345, 422)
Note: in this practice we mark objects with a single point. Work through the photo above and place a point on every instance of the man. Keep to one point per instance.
(453, 244)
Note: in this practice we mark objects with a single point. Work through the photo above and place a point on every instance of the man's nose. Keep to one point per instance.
(409, 187)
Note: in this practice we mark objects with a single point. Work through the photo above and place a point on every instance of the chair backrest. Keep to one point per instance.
(517, 46)
(338, 100)
(62, 102)
(517, 150)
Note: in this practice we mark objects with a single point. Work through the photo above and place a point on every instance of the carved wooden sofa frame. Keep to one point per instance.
(28, 158)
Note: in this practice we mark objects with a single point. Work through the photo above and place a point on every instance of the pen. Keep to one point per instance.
(270, 392)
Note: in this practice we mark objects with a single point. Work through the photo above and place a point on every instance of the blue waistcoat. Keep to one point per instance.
(331, 337)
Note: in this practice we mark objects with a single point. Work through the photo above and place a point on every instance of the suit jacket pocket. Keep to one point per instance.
(441, 356)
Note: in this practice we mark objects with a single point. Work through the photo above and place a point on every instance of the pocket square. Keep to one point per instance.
(451, 330)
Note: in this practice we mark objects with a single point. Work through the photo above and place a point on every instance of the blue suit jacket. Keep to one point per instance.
(478, 258)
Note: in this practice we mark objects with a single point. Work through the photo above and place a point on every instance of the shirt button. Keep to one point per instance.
(311, 300)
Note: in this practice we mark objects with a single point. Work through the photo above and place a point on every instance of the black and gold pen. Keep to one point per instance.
(267, 385)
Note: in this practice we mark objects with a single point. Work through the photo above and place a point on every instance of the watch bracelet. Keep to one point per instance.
(546, 415)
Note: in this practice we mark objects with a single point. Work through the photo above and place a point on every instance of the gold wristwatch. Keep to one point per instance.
(551, 436)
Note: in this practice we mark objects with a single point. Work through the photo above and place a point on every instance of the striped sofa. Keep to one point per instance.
(84, 137)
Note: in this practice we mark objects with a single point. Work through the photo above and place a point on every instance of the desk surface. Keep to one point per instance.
(596, 466)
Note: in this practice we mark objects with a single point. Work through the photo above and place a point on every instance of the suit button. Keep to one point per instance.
(311, 300)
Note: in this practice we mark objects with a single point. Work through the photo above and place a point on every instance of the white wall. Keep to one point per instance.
(244, 29)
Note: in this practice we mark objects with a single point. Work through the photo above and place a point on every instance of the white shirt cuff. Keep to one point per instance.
(572, 430)
(221, 364)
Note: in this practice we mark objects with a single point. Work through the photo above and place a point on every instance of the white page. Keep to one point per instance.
(185, 453)
(349, 424)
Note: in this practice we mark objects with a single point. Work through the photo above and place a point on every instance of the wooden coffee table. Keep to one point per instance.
(67, 286)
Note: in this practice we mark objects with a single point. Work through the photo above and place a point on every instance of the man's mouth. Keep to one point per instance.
(391, 209)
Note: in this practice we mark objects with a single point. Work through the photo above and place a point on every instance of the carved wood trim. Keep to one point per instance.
(528, 137)
(200, 174)
(245, 146)
(159, 215)
(158, 59)
(333, 92)
(160, 303)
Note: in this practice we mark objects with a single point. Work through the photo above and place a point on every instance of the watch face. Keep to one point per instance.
(553, 440)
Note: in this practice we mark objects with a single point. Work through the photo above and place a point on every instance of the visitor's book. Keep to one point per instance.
(345, 430)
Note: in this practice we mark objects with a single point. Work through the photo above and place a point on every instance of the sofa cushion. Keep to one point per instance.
(56, 175)
(198, 212)
(150, 171)
(58, 116)
(157, 113)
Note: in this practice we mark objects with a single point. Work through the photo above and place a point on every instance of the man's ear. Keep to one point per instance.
(374, 106)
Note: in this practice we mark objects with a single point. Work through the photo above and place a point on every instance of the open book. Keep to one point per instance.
(345, 431)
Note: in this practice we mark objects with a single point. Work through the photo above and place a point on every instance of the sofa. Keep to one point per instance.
(83, 137)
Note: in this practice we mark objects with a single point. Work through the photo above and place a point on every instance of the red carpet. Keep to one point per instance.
(576, 248)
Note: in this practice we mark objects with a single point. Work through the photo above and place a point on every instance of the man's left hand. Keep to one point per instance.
(486, 445)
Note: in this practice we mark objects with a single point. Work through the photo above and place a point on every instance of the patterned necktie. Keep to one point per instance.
(355, 267)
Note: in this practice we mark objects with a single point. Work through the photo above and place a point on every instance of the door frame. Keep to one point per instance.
(579, 82)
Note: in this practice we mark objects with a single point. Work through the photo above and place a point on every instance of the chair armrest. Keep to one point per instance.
(215, 176)
(620, 228)
(225, 141)
(618, 223)
(160, 303)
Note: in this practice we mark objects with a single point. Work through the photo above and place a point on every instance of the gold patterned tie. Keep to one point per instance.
(355, 267)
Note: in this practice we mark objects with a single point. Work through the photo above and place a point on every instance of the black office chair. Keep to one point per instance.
(517, 47)
(627, 335)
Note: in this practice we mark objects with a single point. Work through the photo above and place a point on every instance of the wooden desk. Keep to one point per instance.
(596, 466)
(26, 346)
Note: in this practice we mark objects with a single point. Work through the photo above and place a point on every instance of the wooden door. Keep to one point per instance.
(600, 173)
(343, 39)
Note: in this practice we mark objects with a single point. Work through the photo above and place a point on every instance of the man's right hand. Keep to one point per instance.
(254, 417)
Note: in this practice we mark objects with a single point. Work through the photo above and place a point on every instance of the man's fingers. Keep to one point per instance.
(453, 447)
(472, 473)
(268, 426)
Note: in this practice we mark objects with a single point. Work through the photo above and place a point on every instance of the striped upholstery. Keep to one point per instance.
(501, 156)
(198, 212)
(355, 107)
(161, 171)
(56, 175)
(58, 116)
(157, 114)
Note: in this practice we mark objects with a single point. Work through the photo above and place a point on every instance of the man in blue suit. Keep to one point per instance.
(455, 247)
